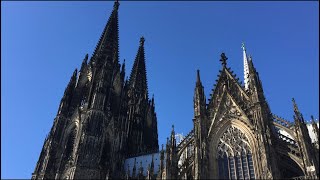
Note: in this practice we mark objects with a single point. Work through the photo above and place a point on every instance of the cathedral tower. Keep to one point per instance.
(102, 118)
(142, 130)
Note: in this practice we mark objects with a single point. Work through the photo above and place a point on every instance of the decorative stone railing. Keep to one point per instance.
(291, 145)
(287, 139)
(282, 121)
(142, 153)
(299, 177)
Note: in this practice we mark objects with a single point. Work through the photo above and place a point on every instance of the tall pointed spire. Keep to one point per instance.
(245, 67)
(108, 45)
(138, 77)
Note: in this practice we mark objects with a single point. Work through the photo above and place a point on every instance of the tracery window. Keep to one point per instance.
(234, 156)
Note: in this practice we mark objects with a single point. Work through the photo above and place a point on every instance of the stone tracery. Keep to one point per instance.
(234, 155)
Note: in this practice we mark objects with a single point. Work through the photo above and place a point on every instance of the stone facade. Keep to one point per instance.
(106, 127)
(235, 135)
(103, 118)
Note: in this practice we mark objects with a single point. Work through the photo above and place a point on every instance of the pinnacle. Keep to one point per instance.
(312, 119)
(295, 105)
(198, 78)
(75, 72)
(123, 65)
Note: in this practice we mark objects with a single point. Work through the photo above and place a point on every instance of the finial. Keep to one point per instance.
(87, 56)
(116, 4)
(162, 147)
(223, 59)
(172, 127)
(243, 47)
(142, 41)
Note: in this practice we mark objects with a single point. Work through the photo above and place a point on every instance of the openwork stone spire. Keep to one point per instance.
(138, 77)
(108, 45)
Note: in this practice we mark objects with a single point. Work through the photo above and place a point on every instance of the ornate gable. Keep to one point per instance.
(227, 82)
(227, 108)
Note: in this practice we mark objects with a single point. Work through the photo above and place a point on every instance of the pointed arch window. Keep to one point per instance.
(234, 156)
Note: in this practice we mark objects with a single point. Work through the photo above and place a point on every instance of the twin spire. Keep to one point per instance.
(138, 77)
(107, 51)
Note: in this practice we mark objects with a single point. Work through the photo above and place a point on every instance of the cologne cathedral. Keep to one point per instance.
(106, 127)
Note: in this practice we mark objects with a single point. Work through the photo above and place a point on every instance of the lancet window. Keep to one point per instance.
(234, 156)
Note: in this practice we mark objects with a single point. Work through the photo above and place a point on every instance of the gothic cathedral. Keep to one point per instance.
(106, 127)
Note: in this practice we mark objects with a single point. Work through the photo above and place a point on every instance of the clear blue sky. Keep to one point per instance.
(43, 42)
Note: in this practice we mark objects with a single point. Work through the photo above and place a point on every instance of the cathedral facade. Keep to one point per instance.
(106, 127)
